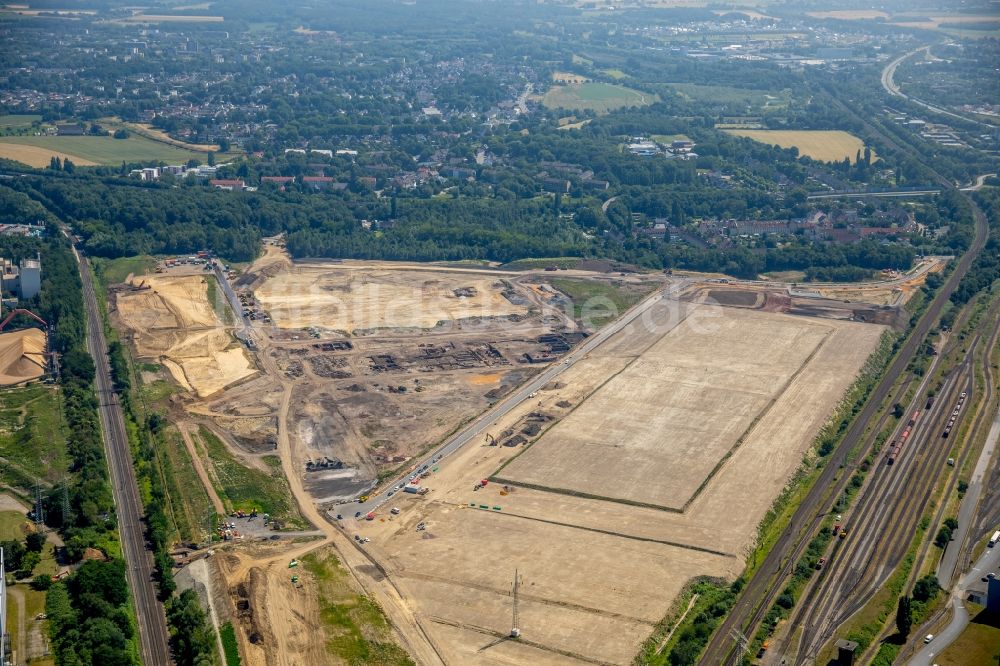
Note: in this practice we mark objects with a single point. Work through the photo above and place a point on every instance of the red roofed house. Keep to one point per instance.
(224, 184)
(318, 182)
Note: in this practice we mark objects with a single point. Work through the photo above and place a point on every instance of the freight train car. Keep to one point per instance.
(954, 415)
(896, 446)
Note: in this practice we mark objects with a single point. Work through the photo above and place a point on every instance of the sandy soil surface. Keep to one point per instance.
(599, 574)
(22, 356)
(656, 431)
(172, 320)
(349, 300)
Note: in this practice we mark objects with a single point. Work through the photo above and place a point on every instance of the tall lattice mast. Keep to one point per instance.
(515, 630)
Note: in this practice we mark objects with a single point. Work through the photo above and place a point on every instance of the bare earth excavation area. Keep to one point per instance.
(173, 321)
(646, 463)
(669, 445)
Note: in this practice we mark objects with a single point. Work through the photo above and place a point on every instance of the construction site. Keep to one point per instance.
(608, 488)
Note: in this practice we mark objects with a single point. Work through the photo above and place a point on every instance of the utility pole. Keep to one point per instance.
(39, 509)
(65, 503)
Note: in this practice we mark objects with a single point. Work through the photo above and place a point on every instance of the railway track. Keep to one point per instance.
(888, 513)
(150, 616)
(762, 589)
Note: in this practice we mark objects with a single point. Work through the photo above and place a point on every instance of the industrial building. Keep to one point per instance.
(24, 280)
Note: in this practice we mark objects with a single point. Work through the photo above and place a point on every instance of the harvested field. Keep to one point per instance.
(22, 356)
(352, 300)
(172, 321)
(850, 14)
(37, 156)
(91, 150)
(823, 145)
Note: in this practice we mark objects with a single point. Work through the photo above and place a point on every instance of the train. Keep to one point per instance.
(954, 415)
(896, 445)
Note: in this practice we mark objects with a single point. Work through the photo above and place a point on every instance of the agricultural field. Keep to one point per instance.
(169, 18)
(599, 97)
(625, 490)
(850, 14)
(569, 77)
(822, 145)
(18, 121)
(37, 151)
(709, 94)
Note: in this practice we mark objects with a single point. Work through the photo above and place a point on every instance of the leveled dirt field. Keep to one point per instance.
(172, 321)
(823, 145)
(352, 299)
(655, 432)
(22, 356)
(645, 418)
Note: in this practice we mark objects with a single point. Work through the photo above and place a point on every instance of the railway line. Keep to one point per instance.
(880, 530)
(151, 619)
(762, 589)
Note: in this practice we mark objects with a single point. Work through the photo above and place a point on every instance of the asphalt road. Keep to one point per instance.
(153, 646)
(989, 561)
(476, 429)
(890, 87)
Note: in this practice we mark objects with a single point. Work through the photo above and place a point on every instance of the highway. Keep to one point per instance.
(480, 425)
(760, 592)
(890, 87)
(153, 645)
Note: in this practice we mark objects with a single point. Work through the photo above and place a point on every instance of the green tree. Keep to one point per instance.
(35, 542)
(904, 617)
(926, 588)
(192, 640)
